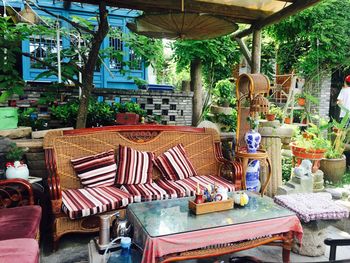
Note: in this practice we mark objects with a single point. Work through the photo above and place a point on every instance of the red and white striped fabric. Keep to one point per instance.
(190, 184)
(96, 170)
(150, 192)
(172, 188)
(174, 164)
(77, 203)
(134, 167)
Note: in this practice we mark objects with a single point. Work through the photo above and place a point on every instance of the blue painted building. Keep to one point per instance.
(107, 75)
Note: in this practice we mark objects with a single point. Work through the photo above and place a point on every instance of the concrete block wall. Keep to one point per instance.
(174, 108)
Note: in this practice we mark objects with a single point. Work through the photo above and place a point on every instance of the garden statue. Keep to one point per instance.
(304, 169)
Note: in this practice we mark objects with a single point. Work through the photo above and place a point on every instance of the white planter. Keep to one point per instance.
(18, 170)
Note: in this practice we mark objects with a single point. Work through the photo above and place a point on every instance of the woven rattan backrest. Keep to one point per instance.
(198, 145)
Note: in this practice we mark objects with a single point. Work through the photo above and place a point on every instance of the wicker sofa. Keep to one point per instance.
(202, 145)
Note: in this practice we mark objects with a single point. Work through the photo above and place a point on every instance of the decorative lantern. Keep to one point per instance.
(259, 104)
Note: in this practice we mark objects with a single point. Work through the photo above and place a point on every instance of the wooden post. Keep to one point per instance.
(245, 51)
(196, 86)
(256, 52)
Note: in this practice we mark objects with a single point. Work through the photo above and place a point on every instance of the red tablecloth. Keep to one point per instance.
(161, 246)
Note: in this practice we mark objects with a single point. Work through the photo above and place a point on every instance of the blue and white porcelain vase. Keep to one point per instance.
(252, 139)
(252, 176)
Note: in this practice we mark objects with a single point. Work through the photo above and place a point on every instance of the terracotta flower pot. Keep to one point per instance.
(270, 116)
(314, 155)
(301, 101)
(287, 120)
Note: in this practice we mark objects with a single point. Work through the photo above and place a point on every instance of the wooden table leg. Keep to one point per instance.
(287, 246)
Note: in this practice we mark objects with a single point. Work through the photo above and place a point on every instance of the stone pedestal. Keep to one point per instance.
(313, 240)
(271, 136)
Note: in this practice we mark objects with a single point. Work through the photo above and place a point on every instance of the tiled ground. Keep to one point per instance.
(73, 249)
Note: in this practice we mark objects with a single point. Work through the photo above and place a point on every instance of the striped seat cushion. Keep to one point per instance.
(96, 170)
(190, 184)
(154, 191)
(77, 203)
(134, 167)
(174, 164)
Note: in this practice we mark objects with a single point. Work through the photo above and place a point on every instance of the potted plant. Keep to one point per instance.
(223, 94)
(334, 163)
(310, 145)
(15, 166)
(301, 99)
(128, 113)
(274, 112)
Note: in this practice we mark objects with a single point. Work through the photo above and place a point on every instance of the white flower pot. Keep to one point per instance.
(18, 170)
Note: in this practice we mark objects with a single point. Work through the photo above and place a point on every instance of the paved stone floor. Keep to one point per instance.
(73, 249)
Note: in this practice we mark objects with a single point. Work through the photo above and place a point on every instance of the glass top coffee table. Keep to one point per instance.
(172, 220)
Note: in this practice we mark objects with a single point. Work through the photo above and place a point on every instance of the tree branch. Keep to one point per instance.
(46, 64)
(74, 24)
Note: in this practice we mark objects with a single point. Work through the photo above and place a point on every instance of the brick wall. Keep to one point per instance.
(323, 93)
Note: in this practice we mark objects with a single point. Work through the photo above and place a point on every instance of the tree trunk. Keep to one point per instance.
(196, 86)
(89, 67)
(256, 52)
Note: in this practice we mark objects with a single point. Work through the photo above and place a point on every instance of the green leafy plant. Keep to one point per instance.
(14, 153)
(29, 117)
(130, 107)
(228, 122)
(253, 123)
(286, 168)
(277, 111)
(340, 132)
(223, 92)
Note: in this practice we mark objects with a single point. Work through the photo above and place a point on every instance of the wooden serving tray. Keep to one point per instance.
(210, 207)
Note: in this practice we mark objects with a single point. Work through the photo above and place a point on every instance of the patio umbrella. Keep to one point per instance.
(182, 26)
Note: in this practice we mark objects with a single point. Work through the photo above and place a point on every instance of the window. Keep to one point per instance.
(42, 48)
(135, 60)
(116, 44)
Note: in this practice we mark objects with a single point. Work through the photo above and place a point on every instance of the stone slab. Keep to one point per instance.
(41, 134)
(20, 132)
(33, 145)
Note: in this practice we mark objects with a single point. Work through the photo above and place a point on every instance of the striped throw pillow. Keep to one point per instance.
(96, 170)
(134, 167)
(174, 164)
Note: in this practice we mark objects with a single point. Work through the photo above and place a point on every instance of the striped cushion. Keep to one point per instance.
(134, 167)
(190, 184)
(77, 203)
(172, 188)
(96, 170)
(174, 164)
(152, 191)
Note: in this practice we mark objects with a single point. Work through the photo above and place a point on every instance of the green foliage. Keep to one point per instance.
(14, 153)
(223, 92)
(99, 113)
(313, 138)
(286, 169)
(228, 122)
(277, 111)
(340, 136)
(218, 56)
(130, 107)
(317, 36)
(26, 118)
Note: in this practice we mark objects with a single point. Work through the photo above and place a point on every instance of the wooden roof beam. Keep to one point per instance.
(237, 13)
(292, 9)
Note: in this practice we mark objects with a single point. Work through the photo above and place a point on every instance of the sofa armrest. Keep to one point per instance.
(53, 182)
(15, 192)
(228, 168)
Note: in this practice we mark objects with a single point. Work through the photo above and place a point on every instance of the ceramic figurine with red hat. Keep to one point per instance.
(343, 99)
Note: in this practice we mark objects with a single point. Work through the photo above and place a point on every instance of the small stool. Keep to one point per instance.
(313, 209)
(259, 155)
